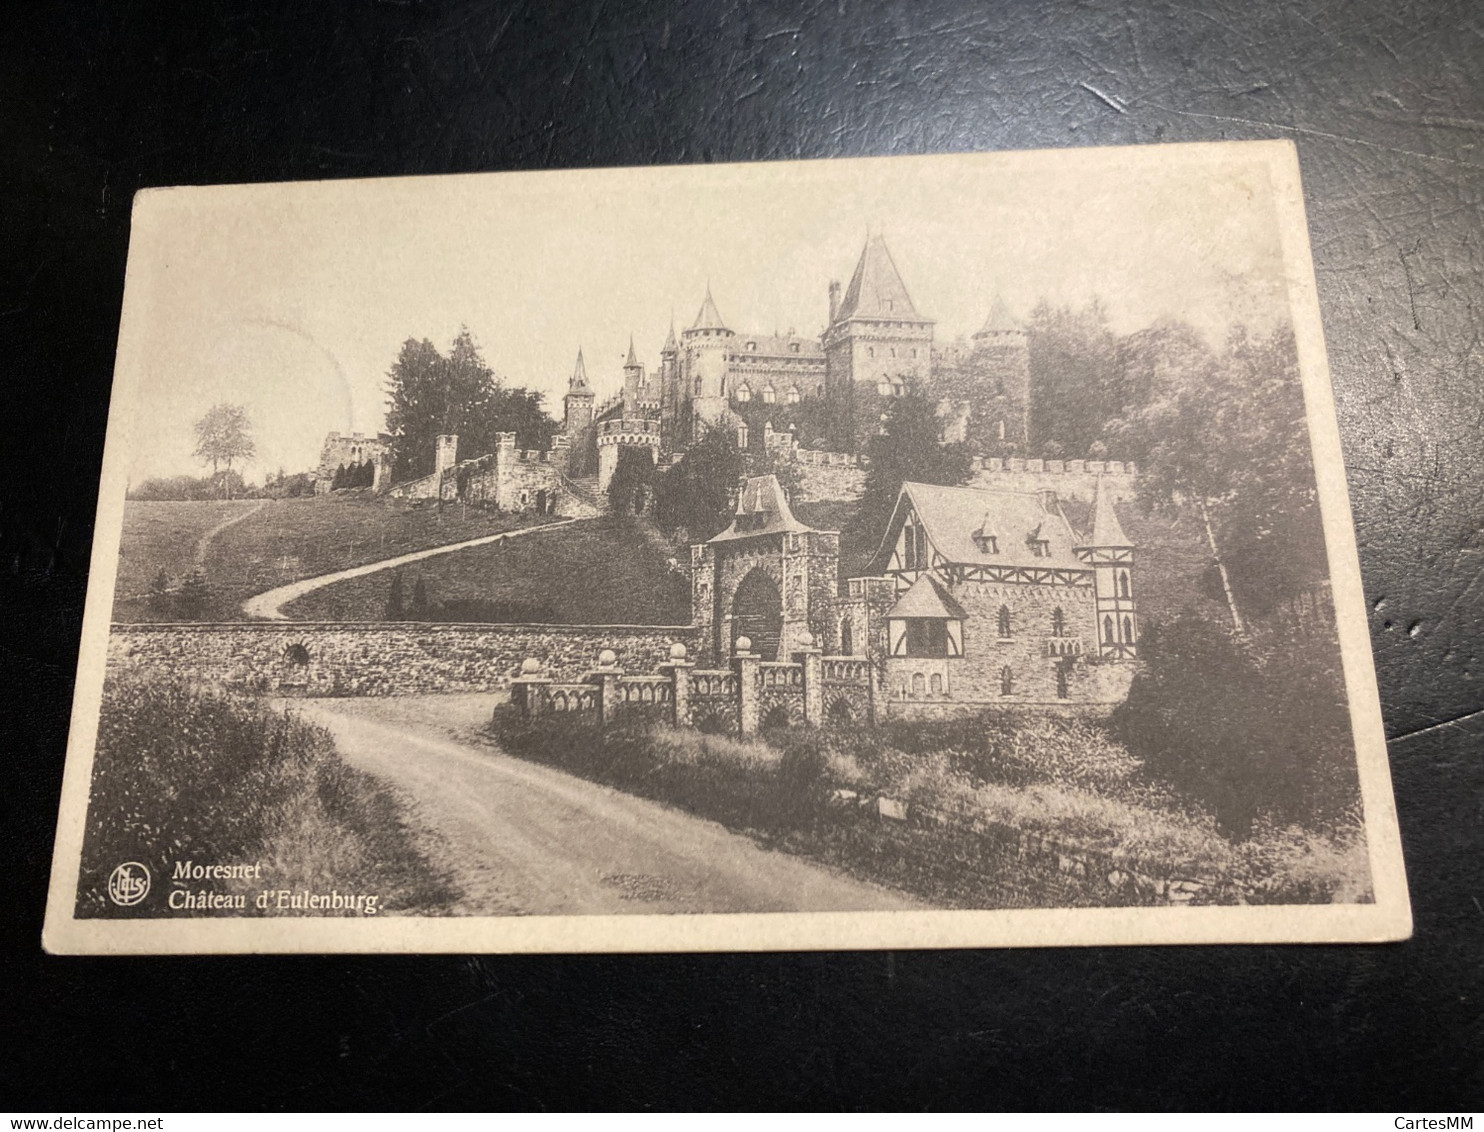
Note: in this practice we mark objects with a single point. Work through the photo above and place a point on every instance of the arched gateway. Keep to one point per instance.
(767, 577)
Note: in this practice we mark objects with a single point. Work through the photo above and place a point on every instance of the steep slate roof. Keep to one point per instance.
(951, 515)
(1106, 529)
(926, 597)
(1000, 319)
(578, 380)
(708, 318)
(670, 341)
(777, 346)
(761, 496)
(633, 359)
(876, 283)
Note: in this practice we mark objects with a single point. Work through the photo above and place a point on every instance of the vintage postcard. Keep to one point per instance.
(908, 552)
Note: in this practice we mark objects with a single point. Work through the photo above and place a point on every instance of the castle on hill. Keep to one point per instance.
(827, 391)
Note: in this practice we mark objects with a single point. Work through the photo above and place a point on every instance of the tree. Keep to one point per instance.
(699, 492)
(633, 476)
(194, 596)
(1073, 382)
(430, 395)
(1225, 436)
(908, 448)
(394, 610)
(223, 435)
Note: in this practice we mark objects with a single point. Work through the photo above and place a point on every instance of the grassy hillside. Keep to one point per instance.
(286, 540)
(163, 536)
(592, 572)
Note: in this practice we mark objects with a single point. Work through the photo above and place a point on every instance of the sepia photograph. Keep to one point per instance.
(893, 552)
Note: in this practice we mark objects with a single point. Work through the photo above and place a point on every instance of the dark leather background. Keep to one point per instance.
(1386, 103)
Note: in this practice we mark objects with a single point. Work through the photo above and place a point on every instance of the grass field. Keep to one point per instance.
(163, 536)
(286, 540)
(592, 572)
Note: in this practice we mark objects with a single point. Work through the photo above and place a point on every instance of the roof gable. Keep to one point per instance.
(951, 516)
(762, 509)
(926, 597)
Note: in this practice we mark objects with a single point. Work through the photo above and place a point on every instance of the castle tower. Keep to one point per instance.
(1111, 555)
(670, 390)
(1001, 355)
(876, 341)
(704, 365)
(578, 403)
(633, 378)
(445, 453)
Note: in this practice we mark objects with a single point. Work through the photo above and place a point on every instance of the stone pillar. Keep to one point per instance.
(746, 664)
(812, 660)
(605, 676)
(679, 672)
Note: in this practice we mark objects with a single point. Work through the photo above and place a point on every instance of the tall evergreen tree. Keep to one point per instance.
(908, 448)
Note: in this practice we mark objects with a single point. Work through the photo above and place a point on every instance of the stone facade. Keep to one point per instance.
(508, 479)
(350, 450)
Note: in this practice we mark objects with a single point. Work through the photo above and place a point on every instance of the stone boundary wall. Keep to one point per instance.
(381, 658)
(1035, 866)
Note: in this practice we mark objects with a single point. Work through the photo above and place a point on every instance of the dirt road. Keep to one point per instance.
(269, 605)
(524, 839)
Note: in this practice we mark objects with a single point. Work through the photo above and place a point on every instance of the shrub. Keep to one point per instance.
(182, 773)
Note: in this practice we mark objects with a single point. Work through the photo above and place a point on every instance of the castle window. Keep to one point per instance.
(893, 351)
(935, 683)
(1063, 685)
(1123, 584)
(744, 392)
(909, 547)
(1128, 630)
(698, 387)
(883, 387)
(752, 346)
(919, 685)
(793, 347)
(846, 642)
(1003, 619)
(1000, 429)
(870, 351)
(742, 432)
(792, 397)
(1007, 681)
(987, 542)
(769, 394)
(1039, 547)
(1109, 633)
(1058, 622)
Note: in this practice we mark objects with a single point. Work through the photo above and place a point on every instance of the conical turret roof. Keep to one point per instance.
(709, 318)
(1000, 319)
(670, 345)
(876, 289)
(633, 358)
(1106, 529)
(578, 380)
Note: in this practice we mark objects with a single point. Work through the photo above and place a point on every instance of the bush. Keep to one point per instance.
(1246, 734)
(184, 774)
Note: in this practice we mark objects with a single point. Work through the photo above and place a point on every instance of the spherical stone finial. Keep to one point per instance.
(677, 651)
(607, 659)
(530, 666)
(744, 644)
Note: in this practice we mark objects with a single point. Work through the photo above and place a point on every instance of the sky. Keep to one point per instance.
(294, 299)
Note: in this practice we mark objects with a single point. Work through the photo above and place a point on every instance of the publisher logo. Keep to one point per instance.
(128, 884)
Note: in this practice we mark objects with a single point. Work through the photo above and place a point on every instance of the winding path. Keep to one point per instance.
(203, 544)
(269, 605)
(524, 839)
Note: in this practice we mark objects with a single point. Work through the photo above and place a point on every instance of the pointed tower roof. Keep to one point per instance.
(709, 318)
(762, 509)
(578, 381)
(1000, 319)
(876, 289)
(1106, 529)
(633, 359)
(670, 345)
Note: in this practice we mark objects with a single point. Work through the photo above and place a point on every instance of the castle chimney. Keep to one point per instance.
(834, 299)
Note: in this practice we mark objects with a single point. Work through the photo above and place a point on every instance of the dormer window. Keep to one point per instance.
(1039, 547)
(793, 347)
(986, 541)
(752, 346)
(744, 392)
(792, 396)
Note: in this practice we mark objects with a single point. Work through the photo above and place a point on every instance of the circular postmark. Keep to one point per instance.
(128, 884)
